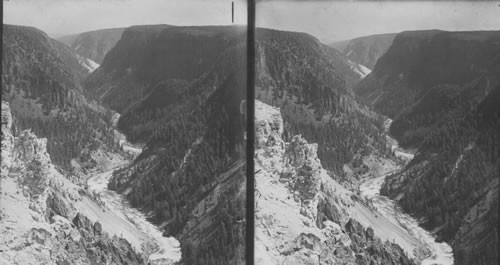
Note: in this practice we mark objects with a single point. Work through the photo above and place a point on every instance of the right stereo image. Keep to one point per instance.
(377, 132)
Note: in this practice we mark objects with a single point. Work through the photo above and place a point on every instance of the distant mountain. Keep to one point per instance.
(41, 81)
(366, 50)
(339, 45)
(442, 90)
(125, 78)
(93, 45)
(312, 85)
(182, 92)
(67, 39)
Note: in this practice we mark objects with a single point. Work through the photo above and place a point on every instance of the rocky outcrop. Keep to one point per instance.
(7, 138)
(302, 214)
(37, 206)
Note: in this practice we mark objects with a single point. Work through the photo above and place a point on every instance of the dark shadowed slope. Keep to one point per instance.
(160, 53)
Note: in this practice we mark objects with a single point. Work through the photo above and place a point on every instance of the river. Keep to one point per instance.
(146, 236)
(440, 253)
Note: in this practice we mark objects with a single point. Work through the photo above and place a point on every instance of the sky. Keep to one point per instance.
(331, 21)
(327, 20)
(64, 17)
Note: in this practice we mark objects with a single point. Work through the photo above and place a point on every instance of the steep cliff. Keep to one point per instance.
(302, 215)
(44, 218)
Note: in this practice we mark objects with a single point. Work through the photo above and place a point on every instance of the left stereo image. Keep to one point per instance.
(124, 132)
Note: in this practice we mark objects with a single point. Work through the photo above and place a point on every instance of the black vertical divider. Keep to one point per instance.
(250, 199)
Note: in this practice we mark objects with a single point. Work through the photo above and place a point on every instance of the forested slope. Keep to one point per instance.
(311, 83)
(442, 90)
(40, 80)
(421, 76)
(95, 44)
(367, 50)
(188, 106)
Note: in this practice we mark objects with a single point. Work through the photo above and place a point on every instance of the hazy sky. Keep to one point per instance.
(333, 20)
(62, 17)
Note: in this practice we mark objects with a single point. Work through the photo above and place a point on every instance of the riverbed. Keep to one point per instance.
(440, 253)
(147, 237)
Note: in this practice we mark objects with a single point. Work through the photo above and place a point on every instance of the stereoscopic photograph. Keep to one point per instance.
(270, 132)
(123, 132)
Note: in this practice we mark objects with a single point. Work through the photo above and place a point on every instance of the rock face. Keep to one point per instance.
(95, 44)
(368, 49)
(442, 88)
(293, 223)
(7, 138)
(38, 221)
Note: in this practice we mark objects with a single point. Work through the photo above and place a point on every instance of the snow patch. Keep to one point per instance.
(88, 64)
(360, 69)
